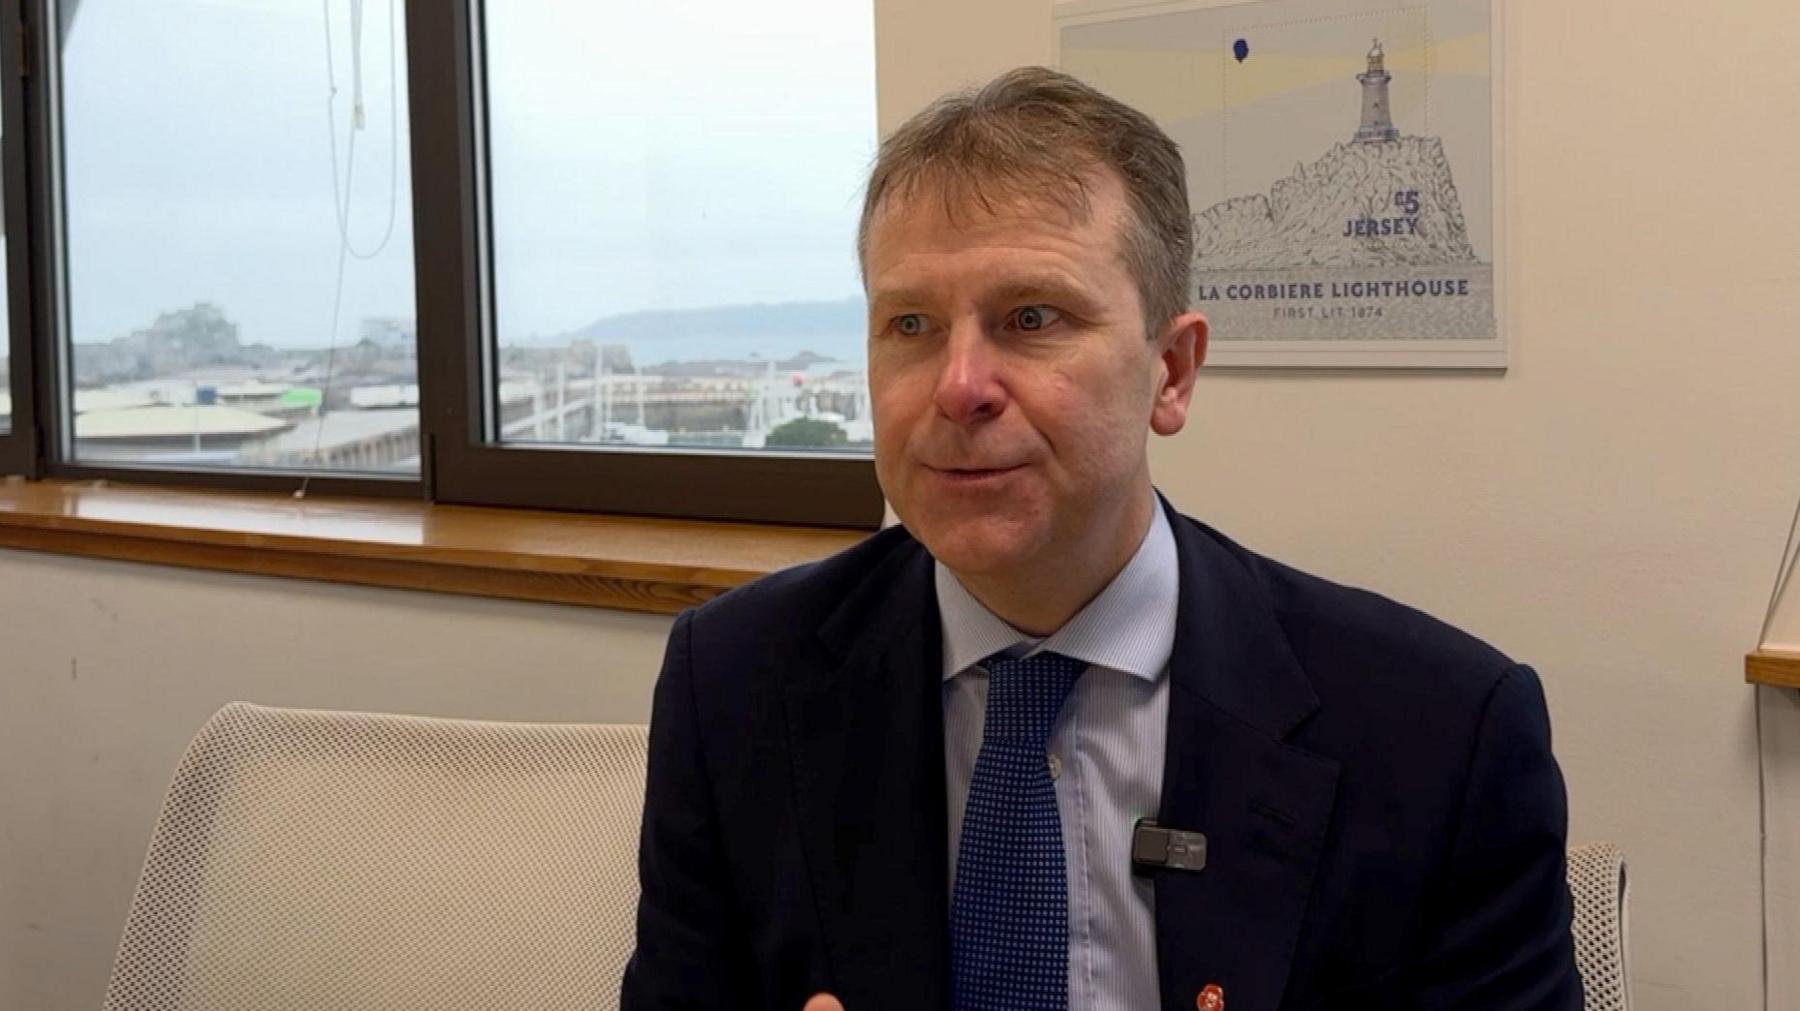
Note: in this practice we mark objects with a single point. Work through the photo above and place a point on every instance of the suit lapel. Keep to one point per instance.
(866, 736)
(1264, 805)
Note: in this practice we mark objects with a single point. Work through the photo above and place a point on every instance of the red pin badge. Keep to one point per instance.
(1211, 998)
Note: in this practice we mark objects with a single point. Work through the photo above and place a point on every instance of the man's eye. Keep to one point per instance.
(1035, 317)
(910, 325)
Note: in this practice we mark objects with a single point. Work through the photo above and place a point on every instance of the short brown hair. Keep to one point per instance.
(1039, 133)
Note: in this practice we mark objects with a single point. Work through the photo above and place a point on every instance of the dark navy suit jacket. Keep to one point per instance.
(1386, 824)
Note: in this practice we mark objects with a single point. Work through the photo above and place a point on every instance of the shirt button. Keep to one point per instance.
(1055, 764)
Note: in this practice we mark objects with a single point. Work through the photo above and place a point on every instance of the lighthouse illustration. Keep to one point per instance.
(1376, 126)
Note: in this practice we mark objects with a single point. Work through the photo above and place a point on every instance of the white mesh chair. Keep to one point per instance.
(1602, 902)
(336, 861)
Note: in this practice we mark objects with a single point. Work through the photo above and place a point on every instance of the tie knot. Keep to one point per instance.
(1026, 694)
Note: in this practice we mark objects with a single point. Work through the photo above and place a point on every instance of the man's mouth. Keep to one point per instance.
(973, 474)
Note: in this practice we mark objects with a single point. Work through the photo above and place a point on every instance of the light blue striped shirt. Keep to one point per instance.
(1106, 754)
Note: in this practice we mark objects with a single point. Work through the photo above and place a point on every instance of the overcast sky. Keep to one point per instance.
(646, 155)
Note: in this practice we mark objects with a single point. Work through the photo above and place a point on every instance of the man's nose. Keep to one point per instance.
(969, 387)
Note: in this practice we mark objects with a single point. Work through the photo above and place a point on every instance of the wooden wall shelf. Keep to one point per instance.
(1779, 668)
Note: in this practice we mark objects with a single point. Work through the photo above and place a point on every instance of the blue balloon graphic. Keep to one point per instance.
(1240, 49)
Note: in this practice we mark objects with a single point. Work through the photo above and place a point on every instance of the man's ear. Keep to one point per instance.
(1182, 346)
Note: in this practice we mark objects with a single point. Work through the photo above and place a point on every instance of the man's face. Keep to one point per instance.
(1012, 380)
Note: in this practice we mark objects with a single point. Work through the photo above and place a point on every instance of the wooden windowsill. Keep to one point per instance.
(661, 566)
(1773, 667)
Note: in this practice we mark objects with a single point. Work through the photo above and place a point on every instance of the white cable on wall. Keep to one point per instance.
(1789, 556)
(1783, 570)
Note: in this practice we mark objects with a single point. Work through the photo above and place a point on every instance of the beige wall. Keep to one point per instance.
(1608, 509)
(107, 669)
(1611, 508)
(1784, 627)
(1781, 768)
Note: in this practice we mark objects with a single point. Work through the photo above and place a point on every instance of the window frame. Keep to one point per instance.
(453, 311)
(19, 445)
(452, 225)
(48, 332)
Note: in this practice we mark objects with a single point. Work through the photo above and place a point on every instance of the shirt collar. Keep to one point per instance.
(1129, 627)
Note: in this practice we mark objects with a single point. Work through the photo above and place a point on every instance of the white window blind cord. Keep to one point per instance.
(341, 193)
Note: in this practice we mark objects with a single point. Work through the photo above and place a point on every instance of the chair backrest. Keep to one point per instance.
(334, 861)
(1602, 907)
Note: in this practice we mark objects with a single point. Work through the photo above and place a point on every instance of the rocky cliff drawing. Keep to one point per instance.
(1380, 200)
(1361, 205)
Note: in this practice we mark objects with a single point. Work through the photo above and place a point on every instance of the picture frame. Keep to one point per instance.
(1345, 167)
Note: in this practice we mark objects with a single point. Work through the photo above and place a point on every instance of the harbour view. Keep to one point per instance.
(192, 389)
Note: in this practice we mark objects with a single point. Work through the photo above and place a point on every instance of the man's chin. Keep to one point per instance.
(982, 546)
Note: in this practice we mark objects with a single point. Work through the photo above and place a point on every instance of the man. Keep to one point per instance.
(912, 775)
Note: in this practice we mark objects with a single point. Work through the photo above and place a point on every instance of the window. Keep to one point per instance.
(6, 397)
(650, 211)
(239, 249)
(5, 348)
(673, 192)
(632, 224)
(17, 434)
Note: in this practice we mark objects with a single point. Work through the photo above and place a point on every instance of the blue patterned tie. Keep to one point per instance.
(1009, 914)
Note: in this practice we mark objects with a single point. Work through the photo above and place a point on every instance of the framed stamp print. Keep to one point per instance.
(1344, 168)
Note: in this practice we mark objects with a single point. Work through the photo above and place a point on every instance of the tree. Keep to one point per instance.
(806, 432)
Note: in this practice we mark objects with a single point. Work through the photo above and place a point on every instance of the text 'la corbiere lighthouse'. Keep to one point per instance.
(1377, 125)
